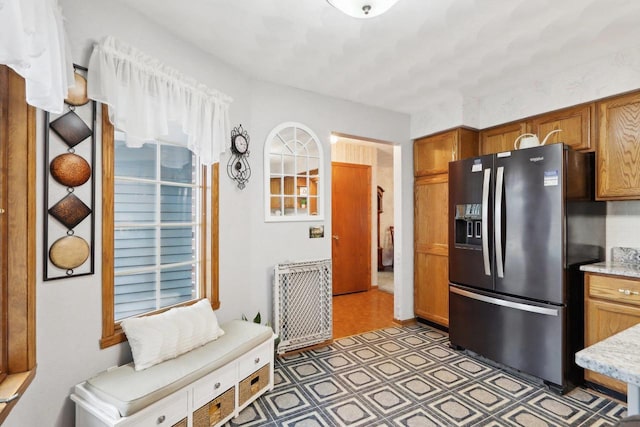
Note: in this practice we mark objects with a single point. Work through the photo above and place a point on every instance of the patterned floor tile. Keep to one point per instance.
(351, 412)
(524, 416)
(418, 417)
(359, 378)
(305, 370)
(439, 353)
(389, 369)
(308, 419)
(409, 376)
(445, 376)
(326, 389)
(456, 411)
(557, 408)
(512, 386)
(386, 400)
(418, 387)
(287, 401)
(252, 415)
(483, 397)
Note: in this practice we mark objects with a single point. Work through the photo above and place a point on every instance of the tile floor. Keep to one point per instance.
(408, 376)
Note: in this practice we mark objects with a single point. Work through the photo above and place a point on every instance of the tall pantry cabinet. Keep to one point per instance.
(432, 155)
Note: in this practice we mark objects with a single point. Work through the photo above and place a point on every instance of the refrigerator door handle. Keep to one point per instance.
(505, 303)
(485, 221)
(497, 213)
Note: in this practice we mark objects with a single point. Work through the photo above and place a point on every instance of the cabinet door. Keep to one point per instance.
(431, 277)
(576, 123)
(501, 138)
(618, 174)
(604, 319)
(432, 154)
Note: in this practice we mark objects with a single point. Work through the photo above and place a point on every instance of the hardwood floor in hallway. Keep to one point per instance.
(361, 312)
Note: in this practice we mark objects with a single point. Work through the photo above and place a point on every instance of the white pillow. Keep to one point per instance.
(167, 335)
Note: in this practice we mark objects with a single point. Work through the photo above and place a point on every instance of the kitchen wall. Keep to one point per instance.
(606, 76)
(69, 311)
(623, 225)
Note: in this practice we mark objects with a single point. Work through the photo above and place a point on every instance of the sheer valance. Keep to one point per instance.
(33, 44)
(146, 97)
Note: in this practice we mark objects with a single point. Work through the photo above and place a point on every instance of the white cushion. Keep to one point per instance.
(167, 335)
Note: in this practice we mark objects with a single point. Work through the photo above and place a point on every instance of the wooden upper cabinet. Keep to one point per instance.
(618, 172)
(577, 125)
(501, 138)
(432, 154)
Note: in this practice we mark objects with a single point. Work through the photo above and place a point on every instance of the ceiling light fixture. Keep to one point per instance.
(362, 8)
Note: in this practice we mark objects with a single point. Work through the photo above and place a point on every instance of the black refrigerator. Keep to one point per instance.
(520, 225)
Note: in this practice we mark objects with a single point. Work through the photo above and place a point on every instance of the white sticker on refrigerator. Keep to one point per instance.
(550, 178)
(476, 168)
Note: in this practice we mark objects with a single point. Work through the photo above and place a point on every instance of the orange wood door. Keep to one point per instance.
(351, 227)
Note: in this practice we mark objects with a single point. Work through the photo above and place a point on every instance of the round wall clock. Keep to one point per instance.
(238, 167)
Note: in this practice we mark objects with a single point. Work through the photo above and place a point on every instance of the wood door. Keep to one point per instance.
(618, 175)
(351, 227)
(431, 271)
(501, 138)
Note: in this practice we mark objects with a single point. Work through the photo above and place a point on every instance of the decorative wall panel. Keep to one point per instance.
(69, 187)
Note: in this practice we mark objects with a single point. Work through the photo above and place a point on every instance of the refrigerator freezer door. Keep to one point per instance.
(470, 199)
(531, 224)
(522, 335)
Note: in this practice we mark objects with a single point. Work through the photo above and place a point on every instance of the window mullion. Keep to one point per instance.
(158, 216)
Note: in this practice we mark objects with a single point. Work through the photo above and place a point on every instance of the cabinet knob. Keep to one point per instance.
(257, 360)
(628, 292)
(161, 419)
(216, 386)
(335, 237)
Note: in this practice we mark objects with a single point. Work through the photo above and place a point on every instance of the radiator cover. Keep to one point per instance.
(302, 312)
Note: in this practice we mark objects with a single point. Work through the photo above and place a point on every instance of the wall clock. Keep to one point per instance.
(238, 167)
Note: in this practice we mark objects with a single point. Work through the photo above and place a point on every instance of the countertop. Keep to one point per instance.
(617, 356)
(624, 262)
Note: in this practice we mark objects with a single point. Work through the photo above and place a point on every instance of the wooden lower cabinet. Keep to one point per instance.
(431, 262)
(431, 297)
(608, 310)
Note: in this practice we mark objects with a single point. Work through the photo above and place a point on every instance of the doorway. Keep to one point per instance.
(366, 302)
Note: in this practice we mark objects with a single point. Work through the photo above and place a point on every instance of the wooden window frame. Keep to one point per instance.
(17, 223)
(208, 282)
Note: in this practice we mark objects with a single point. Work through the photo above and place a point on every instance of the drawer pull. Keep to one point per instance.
(257, 360)
(628, 292)
(161, 419)
(216, 386)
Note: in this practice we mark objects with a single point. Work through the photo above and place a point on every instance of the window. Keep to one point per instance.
(17, 225)
(293, 166)
(154, 230)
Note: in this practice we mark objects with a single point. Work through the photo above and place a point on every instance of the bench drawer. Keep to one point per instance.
(214, 384)
(164, 413)
(255, 359)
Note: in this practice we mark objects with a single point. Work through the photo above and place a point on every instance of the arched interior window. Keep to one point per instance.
(293, 170)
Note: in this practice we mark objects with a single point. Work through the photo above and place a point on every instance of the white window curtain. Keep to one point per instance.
(33, 43)
(146, 98)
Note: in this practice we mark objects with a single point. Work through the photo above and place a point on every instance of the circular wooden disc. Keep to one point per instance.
(69, 252)
(70, 170)
(78, 93)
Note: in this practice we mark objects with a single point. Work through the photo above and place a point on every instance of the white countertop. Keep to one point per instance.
(617, 356)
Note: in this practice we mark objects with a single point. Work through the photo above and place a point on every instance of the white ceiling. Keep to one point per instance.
(418, 52)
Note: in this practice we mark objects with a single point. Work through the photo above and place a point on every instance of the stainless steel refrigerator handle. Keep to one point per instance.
(485, 221)
(497, 214)
(504, 303)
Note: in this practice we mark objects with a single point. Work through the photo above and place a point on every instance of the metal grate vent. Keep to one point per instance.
(302, 304)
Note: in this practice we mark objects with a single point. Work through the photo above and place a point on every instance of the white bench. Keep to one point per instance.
(203, 387)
